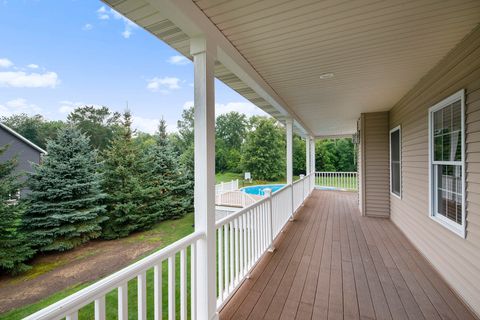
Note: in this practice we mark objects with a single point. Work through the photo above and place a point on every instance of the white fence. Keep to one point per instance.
(223, 187)
(235, 198)
(242, 238)
(337, 180)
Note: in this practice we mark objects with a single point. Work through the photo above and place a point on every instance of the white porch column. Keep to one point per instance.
(312, 154)
(289, 132)
(308, 156)
(204, 55)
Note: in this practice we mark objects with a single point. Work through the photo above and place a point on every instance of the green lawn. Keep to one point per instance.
(337, 182)
(169, 232)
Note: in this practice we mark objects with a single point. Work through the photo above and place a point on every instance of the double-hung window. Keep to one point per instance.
(447, 171)
(395, 162)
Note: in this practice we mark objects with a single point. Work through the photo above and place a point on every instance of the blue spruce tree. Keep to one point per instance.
(65, 203)
(14, 246)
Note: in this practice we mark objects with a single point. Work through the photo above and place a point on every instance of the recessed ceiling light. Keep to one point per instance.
(326, 75)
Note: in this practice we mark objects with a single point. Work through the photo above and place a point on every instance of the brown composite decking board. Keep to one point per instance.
(331, 263)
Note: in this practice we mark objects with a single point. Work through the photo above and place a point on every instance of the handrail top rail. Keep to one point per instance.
(105, 285)
(229, 218)
(355, 172)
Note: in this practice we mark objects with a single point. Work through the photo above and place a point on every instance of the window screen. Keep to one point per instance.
(395, 161)
(447, 162)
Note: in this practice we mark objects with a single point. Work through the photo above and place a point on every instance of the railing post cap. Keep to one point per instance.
(302, 176)
(267, 192)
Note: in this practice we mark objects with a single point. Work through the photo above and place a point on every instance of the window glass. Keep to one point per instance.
(447, 166)
(395, 166)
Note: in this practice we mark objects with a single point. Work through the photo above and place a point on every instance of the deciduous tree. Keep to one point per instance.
(263, 153)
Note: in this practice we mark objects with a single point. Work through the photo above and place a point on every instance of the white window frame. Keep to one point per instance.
(459, 229)
(399, 129)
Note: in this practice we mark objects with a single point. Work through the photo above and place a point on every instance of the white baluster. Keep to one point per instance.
(183, 284)
(232, 262)
(227, 259)
(193, 280)
(72, 316)
(157, 291)
(171, 287)
(220, 263)
(241, 230)
(100, 308)
(123, 302)
(142, 296)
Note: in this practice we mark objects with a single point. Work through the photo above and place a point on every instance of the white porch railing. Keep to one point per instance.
(242, 238)
(223, 187)
(69, 307)
(338, 180)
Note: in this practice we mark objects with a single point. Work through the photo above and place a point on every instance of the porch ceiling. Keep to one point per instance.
(377, 50)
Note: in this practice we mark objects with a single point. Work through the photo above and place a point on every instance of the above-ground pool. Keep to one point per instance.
(258, 190)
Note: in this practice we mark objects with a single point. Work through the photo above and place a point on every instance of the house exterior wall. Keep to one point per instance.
(374, 164)
(25, 153)
(455, 258)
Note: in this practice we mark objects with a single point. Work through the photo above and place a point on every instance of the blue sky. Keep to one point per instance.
(55, 55)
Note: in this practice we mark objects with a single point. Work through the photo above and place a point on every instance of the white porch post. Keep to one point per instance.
(312, 151)
(312, 161)
(289, 132)
(308, 155)
(204, 55)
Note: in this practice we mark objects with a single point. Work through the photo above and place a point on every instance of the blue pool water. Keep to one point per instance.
(258, 190)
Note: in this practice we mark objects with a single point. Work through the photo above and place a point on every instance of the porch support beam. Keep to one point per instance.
(308, 155)
(204, 55)
(289, 132)
(312, 152)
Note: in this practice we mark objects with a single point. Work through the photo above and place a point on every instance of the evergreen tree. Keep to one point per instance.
(65, 200)
(169, 185)
(14, 247)
(124, 181)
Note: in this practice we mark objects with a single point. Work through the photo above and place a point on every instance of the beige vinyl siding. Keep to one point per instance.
(456, 259)
(374, 146)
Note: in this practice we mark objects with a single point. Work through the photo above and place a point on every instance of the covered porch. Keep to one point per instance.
(333, 263)
(322, 69)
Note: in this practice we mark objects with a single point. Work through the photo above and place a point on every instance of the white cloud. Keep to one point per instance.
(5, 63)
(187, 104)
(247, 108)
(68, 106)
(87, 27)
(21, 79)
(164, 85)
(128, 25)
(33, 66)
(19, 105)
(102, 13)
(145, 124)
(178, 60)
(126, 33)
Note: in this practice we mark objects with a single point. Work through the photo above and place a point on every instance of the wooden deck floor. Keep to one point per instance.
(331, 263)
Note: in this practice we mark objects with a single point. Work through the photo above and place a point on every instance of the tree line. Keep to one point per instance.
(100, 178)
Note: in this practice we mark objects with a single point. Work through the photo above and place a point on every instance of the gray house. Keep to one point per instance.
(26, 151)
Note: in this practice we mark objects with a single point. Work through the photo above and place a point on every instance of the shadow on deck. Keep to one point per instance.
(331, 263)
